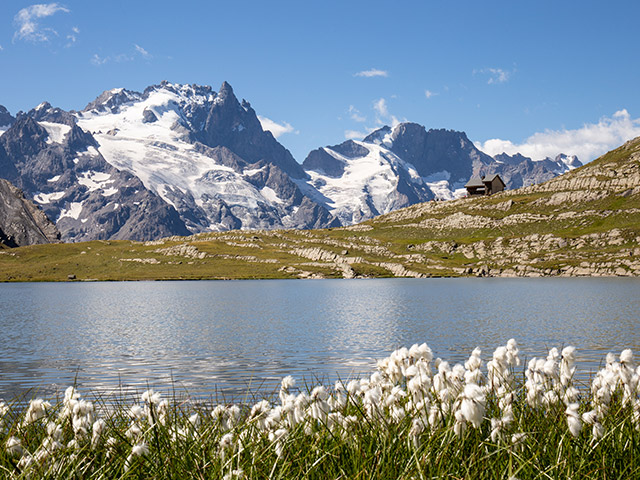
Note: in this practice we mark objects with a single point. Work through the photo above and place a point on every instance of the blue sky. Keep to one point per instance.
(538, 77)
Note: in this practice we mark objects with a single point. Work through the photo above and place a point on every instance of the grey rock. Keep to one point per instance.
(148, 116)
(21, 221)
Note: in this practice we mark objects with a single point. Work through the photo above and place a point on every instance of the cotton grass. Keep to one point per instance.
(413, 417)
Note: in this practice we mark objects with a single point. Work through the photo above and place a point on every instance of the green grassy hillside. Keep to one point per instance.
(586, 222)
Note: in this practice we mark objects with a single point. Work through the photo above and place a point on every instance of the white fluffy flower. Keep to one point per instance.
(14, 446)
(573, 419)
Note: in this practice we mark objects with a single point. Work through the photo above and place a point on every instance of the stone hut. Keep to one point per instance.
(485, 185)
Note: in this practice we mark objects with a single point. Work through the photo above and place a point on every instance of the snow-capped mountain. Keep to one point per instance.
(520, 171)
(204, 153)
(179, 159)
(397, 167)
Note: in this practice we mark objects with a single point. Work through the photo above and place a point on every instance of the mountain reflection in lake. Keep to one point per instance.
(212, 338)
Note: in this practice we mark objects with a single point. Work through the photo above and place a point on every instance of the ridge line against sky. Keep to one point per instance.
(536, 79)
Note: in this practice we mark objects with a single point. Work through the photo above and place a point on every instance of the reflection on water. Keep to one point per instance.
(208, 337)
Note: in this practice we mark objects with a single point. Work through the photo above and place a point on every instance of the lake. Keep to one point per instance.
(220, 338)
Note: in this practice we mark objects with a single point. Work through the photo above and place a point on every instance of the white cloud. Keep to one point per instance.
(29, 28)
(429, 94)
(1, 48)
(355, 114)
(276, 129)
(588, 142)
(141, 50)
(354, 135)
(383, 116)
(380, 106)
(374, 72)
(496, 75)
(121, 57)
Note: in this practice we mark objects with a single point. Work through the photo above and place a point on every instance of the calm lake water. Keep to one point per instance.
(212, 338)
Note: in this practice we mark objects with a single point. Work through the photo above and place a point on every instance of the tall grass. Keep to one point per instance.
(413, 418)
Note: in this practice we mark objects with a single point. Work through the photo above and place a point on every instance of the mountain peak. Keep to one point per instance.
(111, 100)
(46, 113)
(6, 118)
(226, 90)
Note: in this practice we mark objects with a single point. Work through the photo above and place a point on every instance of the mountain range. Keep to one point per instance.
(585, 222)
(184, 159)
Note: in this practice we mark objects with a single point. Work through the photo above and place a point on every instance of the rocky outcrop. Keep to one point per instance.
(21, 221)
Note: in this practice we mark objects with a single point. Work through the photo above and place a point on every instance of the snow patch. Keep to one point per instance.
(107, 192)
(95, 180)
(74, 211)
(270, 195)
(251, 172)
(54, 179)
(45, 198)
(56, 131)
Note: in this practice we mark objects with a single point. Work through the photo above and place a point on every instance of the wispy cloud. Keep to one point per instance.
(496, 75)
(355, 114)
(28, 23)
(588, 142)
(73, 36)
(1, 48)
(382, 113)
(429, 94)
(137, 52)
(98, 60)
(275, 128)
(374, 72)
(380, 106)
(141, 50)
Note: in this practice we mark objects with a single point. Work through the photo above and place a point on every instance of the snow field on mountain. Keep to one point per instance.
(370, 183)
(366, 184)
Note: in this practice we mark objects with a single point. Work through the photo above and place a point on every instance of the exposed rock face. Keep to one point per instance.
(21, 221)
(434, 150)
(236, 126)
